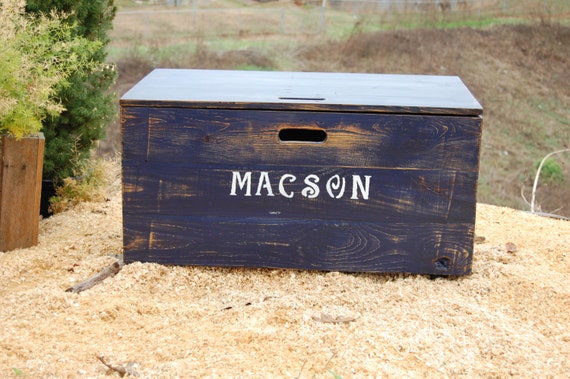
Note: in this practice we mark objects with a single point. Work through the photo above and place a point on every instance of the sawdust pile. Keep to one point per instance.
(510, 317)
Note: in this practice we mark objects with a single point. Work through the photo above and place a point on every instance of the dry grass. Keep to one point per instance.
(88, 185)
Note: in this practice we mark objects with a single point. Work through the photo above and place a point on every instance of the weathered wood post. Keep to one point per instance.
(20, 190)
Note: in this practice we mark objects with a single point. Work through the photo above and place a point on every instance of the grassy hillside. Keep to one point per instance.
(518, 71)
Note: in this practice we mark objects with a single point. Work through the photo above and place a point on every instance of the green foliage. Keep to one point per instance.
(17, 371)
(89, 105)
(550, 171)
(39, 55)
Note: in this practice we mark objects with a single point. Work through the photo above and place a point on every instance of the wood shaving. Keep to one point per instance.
(511, 247)
(333, 319)
(509, 318)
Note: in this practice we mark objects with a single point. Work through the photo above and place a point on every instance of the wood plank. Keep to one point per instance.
(185, 189)
(440, 249)
(353, 140)
(22, 163)
(415, 94)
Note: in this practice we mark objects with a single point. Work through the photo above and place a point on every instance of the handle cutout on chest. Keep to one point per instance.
(302, 135)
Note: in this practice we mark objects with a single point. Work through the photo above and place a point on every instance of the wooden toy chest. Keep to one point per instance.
(324, 171)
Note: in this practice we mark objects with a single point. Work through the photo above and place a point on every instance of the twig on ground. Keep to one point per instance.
(127, 369)
(107, 272)
(120, 369)
(326, 318)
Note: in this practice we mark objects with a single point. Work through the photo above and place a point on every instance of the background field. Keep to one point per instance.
(513, 55)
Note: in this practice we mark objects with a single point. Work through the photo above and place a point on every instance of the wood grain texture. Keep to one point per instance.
(401, 94)
(208, 181)
(183, 189)
(20, 183)
(302, 244)
(353, 140)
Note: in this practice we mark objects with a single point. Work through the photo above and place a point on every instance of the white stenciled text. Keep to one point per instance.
(260, 183)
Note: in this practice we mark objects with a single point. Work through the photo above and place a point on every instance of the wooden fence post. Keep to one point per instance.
(20, 190)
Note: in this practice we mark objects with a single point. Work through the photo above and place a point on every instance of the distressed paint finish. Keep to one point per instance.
(390, 186)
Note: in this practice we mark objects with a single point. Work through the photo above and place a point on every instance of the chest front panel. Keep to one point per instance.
(326, 190)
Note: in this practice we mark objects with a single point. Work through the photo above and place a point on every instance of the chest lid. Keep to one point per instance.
(268, 90)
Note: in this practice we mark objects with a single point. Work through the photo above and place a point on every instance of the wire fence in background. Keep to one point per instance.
(180, 19)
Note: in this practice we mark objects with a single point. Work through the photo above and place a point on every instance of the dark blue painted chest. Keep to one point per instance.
(324, 171)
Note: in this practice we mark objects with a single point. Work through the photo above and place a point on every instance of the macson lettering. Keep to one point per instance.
(311, 186)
